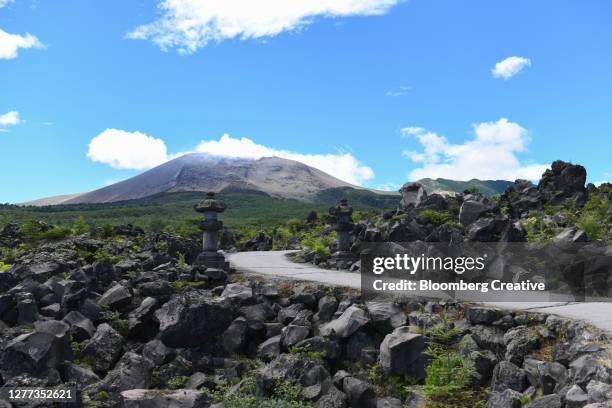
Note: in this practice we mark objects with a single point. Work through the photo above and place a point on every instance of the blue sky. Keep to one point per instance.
(375, 92)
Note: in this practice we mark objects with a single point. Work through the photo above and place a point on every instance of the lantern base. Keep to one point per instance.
(212, 259)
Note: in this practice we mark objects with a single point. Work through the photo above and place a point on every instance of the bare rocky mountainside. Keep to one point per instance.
(201, 172)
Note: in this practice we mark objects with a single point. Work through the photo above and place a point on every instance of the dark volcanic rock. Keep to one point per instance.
(189, 319)
(104, 348)
(402, 353)
(563, 181)
(348, 323)
(360, 394)
(508, 376)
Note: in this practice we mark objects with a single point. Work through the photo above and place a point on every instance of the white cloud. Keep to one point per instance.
(191, 24)
(341, 165)
(127, 150)
(9, 119)
(491, 154)
(390, 186)
(401, 91)
(607, 179)
(11, 43)
(136, 150)
(510, 67)
(5, 2)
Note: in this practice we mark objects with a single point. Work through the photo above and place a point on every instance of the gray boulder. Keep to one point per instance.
(385, 315)
(548, 376)
(598, 391)
(191, 318)
(348, 323)
(402, 353)
(360, 394)
(327, 307)
(329, 346)
(488, 337)
(520, 341)
(269, 349)
(256, 315)
(470, 211)
(413, 194)
(184, 398)
(483, 315)
(583, 369)
(104, 348)
(389, 403)
(132, 371)
(293, 334)
(333, 398)
(140, 320)
(117, 297)
(237, 292)
(30, 353)
(571, 236)
(547, 401)
(576, 397)
(234, 336)
(504, 399)
(508, 376)
(81, 328)
(158, 352)
(79, 375)
(563, 181)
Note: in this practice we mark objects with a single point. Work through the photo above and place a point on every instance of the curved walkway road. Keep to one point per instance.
(275, 264)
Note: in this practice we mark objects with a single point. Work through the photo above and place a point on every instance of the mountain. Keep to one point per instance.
(446, 186)
(274, 176)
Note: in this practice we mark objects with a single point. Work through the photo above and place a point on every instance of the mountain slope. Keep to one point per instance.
(446, 186)
(201, 172)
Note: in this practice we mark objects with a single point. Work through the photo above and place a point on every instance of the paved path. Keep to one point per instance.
(276, 264)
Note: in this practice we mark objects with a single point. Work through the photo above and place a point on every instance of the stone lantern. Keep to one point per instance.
(343, 224)
(210, 256)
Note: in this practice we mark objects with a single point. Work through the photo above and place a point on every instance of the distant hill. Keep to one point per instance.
(446, 186)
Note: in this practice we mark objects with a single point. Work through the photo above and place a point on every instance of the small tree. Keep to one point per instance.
(312, 217)
(32, 231)
(80, 226)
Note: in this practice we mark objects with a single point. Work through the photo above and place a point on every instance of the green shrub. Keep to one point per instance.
(4, 266)
(107, 231)
(177, 382)
(286, 394)
(590, 223)
(449, 374)
(8, 255)
(102, 396)
(387, 384)
(56, 233)
(525, 399)
(295, 225)
(113, 318)
(184, 286)
(436, 217)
